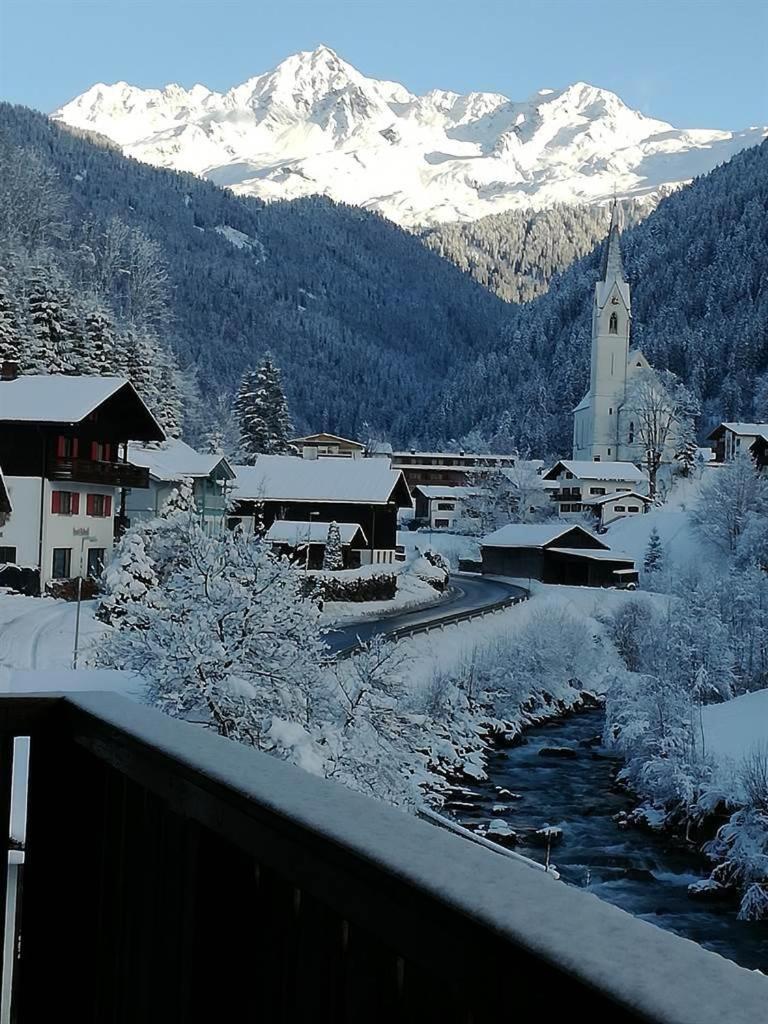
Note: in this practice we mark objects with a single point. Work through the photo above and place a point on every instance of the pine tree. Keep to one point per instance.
(262, 413)
(333, 556)
(96, 354)
(653, 561)
(127, 580)
(9, 328)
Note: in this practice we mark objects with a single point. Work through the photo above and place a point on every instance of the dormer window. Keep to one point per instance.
(613, 324)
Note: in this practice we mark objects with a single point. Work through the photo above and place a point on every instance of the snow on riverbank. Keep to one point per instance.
(734, 731)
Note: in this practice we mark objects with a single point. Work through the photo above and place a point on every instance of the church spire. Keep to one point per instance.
(612, 267)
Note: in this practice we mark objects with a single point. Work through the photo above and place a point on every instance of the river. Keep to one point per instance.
(642, 873)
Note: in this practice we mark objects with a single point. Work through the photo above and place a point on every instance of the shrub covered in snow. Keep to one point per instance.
(350, 585)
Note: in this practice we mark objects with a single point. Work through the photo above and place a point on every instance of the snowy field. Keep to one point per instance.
(733, 731)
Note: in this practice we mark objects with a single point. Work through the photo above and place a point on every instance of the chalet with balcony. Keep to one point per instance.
(169, 463)
(453, 469)
(609, 507)
(580, 481)
(366, 492)
(323, 446)
(63, 451)
(304, 543)
(734, 439)
(555, 553)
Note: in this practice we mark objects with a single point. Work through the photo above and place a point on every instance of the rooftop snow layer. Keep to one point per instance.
(290, 478)
(54, 398)
(596, 554)
(530, 535)
(174, 460)
(289, 531)
(585, 470)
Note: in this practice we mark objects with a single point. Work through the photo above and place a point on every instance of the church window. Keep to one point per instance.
(631, 433)
(609, 451)
(613, 324)
(610, 412)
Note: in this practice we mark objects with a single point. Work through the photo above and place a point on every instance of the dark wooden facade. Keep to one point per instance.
(378, 522)
(759, 452)
(549, 564)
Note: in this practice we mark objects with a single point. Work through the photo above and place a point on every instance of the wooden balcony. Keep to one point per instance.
(174, 876)
(91, 471)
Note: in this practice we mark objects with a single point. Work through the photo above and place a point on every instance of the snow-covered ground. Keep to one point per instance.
(734, 731)
(39, 633)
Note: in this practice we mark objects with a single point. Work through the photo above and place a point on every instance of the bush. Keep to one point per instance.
(345, 586)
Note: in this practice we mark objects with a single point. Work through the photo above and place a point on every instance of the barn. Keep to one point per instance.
(555, 553)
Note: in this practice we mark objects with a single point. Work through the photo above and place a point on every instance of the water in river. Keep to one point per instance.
(641, 873)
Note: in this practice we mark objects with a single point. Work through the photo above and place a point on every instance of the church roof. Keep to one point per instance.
(584, 403)
(612, 267)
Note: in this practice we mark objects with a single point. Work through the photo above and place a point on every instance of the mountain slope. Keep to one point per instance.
(364, 321)
(316, 125)
(698, 267)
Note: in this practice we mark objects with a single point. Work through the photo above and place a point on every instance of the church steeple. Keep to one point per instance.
(613, 268)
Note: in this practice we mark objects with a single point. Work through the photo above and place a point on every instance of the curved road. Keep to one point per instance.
(471, 594)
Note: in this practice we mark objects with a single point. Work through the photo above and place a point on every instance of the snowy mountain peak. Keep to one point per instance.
(315, 124)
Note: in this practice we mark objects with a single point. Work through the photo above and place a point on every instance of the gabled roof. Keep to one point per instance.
(326, 439)
(534, 535)
(596, 554)
(174, 460)
(296, 534)
(740, 429)
(625, 472)
(615, 496)
(433, 491)
(59, 398)
(343, 481)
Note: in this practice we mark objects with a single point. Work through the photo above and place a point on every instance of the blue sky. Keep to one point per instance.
(696, 63)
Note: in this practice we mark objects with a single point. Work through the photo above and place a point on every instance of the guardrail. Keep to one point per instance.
(449, 619)
(174, 876)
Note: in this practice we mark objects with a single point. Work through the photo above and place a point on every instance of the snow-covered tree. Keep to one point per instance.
(127, 581)
(662, 410)
(730, 496)
(230, 638)
(262, 413)
(333, 555)
(9, 328)
(653, 560)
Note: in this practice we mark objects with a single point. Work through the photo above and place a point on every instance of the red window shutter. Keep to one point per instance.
(108, 505)
(56, 501)
(60, 447)
(75, 447)
(94, 451)
(75, 500)
(89, 504)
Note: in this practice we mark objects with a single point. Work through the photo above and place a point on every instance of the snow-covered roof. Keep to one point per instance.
(597, 554)
(175, 460)
(433, 491)
(289, 531)
(741, 429)
(290, 478)
(489, 457)
(56, 398)
(326, 439)
(585, 470)
(531, 535)
(615, 496)
(584, 403)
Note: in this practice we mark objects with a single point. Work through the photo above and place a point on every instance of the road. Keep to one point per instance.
(471, 593)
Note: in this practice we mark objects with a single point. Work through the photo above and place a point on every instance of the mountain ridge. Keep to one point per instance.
(314, 125)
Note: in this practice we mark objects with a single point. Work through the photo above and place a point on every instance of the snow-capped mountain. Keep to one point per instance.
(316, 125)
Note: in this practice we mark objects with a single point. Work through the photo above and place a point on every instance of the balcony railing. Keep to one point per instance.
(91, 471)
(174, 876)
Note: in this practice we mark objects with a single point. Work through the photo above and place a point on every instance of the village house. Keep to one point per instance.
(63, 452)
(441, 507)
(320, 446)
(305, 543)
(555, 553)
(734, 439)
(167, 465)
(453, 469)
(610, 507)
(579, 482)
(365, 492)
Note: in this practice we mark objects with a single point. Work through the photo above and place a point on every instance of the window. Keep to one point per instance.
(445, 506)
(620, 508)
(597, 490)
(596, 458)
(441, 524)
(62, 558)
(65, 503)
(95, 561)
(631, 432)
(613, 324)
(7, 555)
(633, 508)
(609, 451)
(569, 476)
(66, 447)
(99, 505)
(101, 452)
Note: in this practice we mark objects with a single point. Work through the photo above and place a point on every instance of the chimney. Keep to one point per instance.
(9, 370)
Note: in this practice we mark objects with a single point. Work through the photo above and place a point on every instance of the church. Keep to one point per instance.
(603, 429)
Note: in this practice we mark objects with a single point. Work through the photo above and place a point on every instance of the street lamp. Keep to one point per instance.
(85, 535)
(309, 539)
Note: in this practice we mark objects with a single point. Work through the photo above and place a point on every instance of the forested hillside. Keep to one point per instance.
(516, 254)
(698, 266)
(365, 322)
